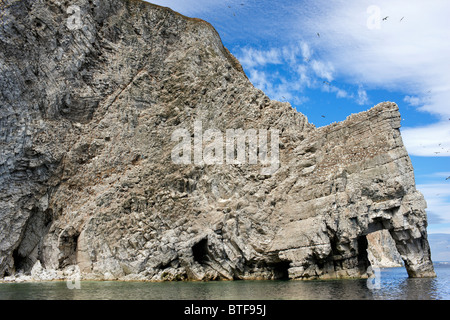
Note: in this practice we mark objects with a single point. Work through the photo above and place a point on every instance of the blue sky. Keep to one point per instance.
(330, 59)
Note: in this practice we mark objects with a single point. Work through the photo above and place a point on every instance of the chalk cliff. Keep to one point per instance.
(90, 98)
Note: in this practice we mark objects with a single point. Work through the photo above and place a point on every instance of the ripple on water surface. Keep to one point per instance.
(393, 284)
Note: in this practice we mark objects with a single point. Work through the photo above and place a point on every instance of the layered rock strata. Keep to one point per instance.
(90, 98)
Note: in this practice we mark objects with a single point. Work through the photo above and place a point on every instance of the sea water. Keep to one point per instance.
(391, 283)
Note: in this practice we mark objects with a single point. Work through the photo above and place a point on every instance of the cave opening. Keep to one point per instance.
(20, 262)
(363, 258)
(29, 248)
(200, 251)
(281, 270)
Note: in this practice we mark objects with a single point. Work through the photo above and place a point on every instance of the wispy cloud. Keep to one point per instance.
(432, 140)
(362, 99)
(252, 58)
(407, 52)
(285, 87)
(438, 200)
(301, 69)
(412, 101)
(276, 86)
(189, 7)
(443, 175)
(307, 52)
(340, 93)
(324, 70)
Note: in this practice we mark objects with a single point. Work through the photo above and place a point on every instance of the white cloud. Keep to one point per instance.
(443, 175)
(438, 201)
(301, 71)
(362, 97)
(437, 103)
(408, 52)
(259, 79)
(322, 69)
(284, 87)
(306, 51)
(291, 54)
(189, 7)
(432, 140)
(413, 101)
(281, 89)
(341, 93)
(252, 58)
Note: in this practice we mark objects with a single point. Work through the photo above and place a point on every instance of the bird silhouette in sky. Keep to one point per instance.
(385, 18)
(318, 34)
(401, 19)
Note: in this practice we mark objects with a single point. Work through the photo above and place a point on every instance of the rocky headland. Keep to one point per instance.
(89, 101)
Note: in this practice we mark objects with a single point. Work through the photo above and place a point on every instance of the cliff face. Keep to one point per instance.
(89, 183)
(382, 251)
